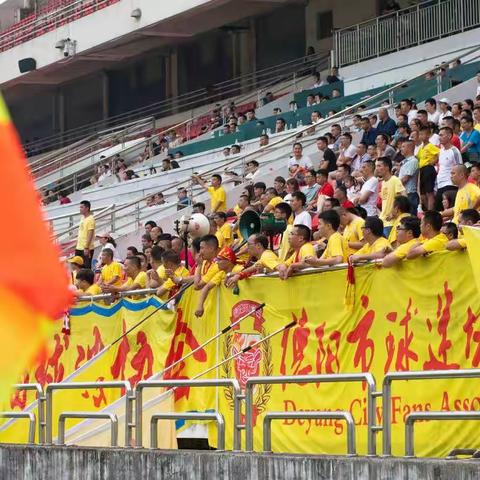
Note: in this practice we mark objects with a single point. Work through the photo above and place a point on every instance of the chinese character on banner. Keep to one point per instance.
(438, 359)
(330, 356)
(404, 352)
(299, 344)
(19, 398)
(365, 346)
(97, 399)
(182, 337)
(142, 361)
(474, 335)
(98, 346)
(51, 369)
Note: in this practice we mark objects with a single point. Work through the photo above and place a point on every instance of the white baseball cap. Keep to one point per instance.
(444, 100)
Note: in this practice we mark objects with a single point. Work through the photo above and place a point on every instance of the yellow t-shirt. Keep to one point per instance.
(353, 233)
(435, 244)
(390, 189)
(86, 225)
(268, 260)
(208, 271)
(392, 237)
(466, 198)
(238, 211)
(427, 154)
(377, 246)
(477, 127)
(93, 290)
(335, 247)
(218, 278)
(402, 250)
(275, 201)
(218, 196)
(168, 283)
(285, 249)
(109, 272)
(306, 250)
(226, 234)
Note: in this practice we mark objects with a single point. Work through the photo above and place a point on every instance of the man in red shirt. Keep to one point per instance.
(341, 196)
(454, 124)
(326, 188)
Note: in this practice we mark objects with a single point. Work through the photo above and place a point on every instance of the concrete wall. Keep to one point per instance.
(42, 463)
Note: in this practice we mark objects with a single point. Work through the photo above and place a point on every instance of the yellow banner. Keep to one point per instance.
(422, 315)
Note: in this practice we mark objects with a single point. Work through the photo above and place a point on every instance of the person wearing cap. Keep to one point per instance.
(443, 109)
(85, 284)
(106, 241)
(173, 275)
(111, 273)
(76, 263)
(227, 263)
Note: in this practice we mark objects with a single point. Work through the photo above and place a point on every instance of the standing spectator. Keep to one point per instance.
(369, 134)
(336, 132)
(386, 124)
(401, 209)
(470, 139)
(368, 195)
(280, 186)
(218, 196)
(391, 187)
(427, 156)
(409, 174)
(448, 157)
(431, 108)
(454, 124)
(329, 161)
(301, 217)
(63, 199)
(86, 234)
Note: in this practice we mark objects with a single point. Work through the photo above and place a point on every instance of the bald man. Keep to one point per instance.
(468, 195)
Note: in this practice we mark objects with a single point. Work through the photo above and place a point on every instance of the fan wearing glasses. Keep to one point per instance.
(408, 233)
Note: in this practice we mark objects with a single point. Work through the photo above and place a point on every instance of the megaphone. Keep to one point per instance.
(251, 223)
(197, 225)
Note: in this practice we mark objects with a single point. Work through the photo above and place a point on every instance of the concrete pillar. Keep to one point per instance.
(105, 95)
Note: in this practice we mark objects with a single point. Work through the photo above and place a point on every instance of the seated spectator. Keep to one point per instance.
(335, 251)
(470, 141)
(432, 113)
(435, 240)
(373, 120)
(112, 272)
(173, 276)
(317, 81)
(136, 278)
(336, 93)
(63, 199)
(132, 252)
(251, 115)
(76, 264)
(198, 207)
(367, 197)
(299, 240)
(227, 266)
(334, 76)
(259, 189)
(474, 176)
(85, 284)
(299, 163)
(383, 147)
(235, 149)
(226, 152)
(182, 198)
(242, 204)
(273, 200)
(298, 203)
(264, 140)
(376, 246)
(310, 100)
(341, 195)
(311, 189)
(336, 132)
(146, 241)
(280, 125)
(406, 106)
(280, 185)
(469, 218)
(408, 232)
(408, 174)
(347, 151)
(352, 226)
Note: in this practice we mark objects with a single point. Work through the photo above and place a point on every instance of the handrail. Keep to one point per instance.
(440, 415)
(216, 416)
(242, 158)
(314, 415)
(218, 382)
(255, 80)
(31, 423)
(40, 408)
(122, 384)
(304, 379)
(89, 415)
(412, 375)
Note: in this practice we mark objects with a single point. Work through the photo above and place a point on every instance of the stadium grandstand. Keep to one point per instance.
(247, 211)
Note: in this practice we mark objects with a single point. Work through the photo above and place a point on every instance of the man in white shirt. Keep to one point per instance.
(406, 107)
(448, 157)
(298, 159)
(443, 109)
(368, 195)
(431, 108)
(298, 203)
(348, 152)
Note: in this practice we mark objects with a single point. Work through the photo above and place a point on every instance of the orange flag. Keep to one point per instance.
(33, 283)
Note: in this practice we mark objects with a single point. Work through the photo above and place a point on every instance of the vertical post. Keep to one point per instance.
(237, 437)
(358, 43)
(462, 16)
(397, 30)
(377, 37)
(41, 418)
(371, 411)
(418, 24)
(48, 417)
(386, 415)
(248, 417)
(409, 438)
(138, 416)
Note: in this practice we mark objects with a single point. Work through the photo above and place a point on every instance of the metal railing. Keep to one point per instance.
(304, 379)
(91, 416)
(416, 416)
(414, 375)
(424, 22)
(216, 416)
(218, 382)
(243, 88)
(31, 422)
(129, 398)
(40, 406)
(338, 415)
